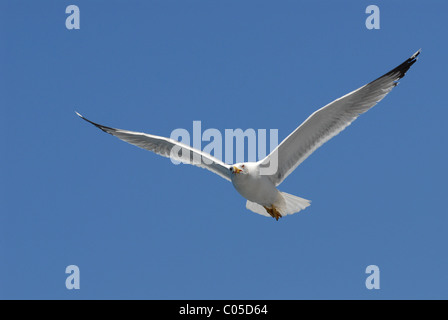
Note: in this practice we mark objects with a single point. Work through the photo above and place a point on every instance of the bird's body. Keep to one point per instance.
(251, 179)
(261, 194)
(253, 186)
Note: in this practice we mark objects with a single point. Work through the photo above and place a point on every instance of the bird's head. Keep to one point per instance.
(238, 168)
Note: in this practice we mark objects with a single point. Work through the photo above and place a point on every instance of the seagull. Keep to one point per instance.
(257, 185)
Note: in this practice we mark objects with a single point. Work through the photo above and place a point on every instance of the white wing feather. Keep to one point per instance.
(163, 146)
(328, 121)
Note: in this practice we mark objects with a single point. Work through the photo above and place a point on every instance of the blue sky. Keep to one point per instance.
(139, 227)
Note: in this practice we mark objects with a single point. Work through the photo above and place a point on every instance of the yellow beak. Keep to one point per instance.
(236, 170)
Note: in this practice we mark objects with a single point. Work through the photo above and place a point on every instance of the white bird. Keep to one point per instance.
(248, 179)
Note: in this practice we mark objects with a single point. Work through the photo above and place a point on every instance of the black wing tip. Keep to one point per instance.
(401, 70)
(99, 126)
(416, 54)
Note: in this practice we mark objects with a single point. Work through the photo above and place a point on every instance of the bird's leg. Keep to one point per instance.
(269, 210)
(273, 212)
(276, 213)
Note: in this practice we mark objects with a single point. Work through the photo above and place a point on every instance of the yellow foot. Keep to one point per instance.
(273, 212)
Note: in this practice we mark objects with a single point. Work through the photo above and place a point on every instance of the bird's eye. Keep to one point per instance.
(231, 168)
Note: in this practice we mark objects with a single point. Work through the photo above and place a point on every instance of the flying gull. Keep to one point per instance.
(248, 178)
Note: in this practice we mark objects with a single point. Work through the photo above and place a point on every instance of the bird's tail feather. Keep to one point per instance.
(285, 204)
(292, 204)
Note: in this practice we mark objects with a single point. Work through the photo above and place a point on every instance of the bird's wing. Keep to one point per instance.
(328, 121)
(168, 148)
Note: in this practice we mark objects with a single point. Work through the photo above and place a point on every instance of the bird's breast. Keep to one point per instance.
(257, 189)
